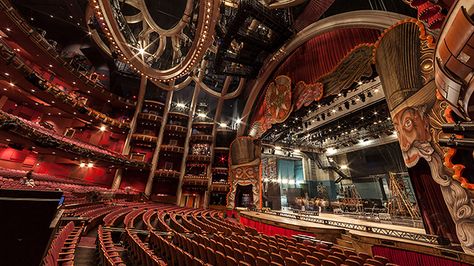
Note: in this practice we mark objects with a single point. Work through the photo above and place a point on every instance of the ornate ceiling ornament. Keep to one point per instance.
(308, 93)
(278, 99)
(161, 41)
(355, 65)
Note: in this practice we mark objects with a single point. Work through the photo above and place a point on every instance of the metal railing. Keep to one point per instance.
(425, 238)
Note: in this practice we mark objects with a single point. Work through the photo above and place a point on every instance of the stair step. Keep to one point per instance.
(344, 243)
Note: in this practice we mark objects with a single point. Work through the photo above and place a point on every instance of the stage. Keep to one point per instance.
(358, 234)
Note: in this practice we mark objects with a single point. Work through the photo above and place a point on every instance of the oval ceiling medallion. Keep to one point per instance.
(161, 39)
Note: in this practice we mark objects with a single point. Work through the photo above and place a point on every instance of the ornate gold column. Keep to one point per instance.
(156, 153)
(133, 127)
(217, 118)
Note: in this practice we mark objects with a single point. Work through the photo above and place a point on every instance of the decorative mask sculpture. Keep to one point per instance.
(417, 112)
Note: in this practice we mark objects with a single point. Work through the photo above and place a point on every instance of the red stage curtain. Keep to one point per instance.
(270, 229)
(435, 214)
(409, 258)
(321, 54)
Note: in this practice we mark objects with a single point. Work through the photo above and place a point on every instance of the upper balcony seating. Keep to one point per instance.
(38, 37)
(66, 143)
(72, 98)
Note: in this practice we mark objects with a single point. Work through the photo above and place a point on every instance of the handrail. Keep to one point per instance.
(425, 238)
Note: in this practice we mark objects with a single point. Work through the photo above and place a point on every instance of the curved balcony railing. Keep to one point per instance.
(195, 180)
(202, 124)
(178, 115)
(49, 138)
(144, 138)
(220, 170)
(201, 138)
(172, 148)
(199, 158)
(176, 128)
(150, 117)
(43, 44)
(220, 186)
(167, 173)
(73, 100)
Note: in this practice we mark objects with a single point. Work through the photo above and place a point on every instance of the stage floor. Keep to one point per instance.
(331, 217)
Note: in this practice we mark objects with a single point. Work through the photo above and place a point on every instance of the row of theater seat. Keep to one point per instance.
(63, 246)
(157, 234)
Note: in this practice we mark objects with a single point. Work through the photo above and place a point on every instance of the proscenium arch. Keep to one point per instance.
(371, 19)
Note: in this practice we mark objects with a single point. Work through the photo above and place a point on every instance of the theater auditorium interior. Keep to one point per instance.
(237, 132)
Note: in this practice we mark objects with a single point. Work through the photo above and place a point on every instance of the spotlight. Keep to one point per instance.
(223, 125)
(201, 115)
(102, 128)
(238, 120)
(181, 105)
(141, 51)
(90, 165)
(82, 165)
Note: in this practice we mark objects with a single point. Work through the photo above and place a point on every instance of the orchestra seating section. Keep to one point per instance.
(133, 232)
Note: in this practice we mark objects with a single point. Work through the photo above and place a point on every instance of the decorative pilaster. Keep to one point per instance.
(133, 127)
